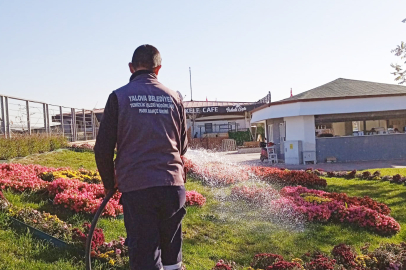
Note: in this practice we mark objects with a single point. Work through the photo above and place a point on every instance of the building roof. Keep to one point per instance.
(196, 104)
(343, 88)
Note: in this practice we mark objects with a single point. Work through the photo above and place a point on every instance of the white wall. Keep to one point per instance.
(302, 128)
(330, 107)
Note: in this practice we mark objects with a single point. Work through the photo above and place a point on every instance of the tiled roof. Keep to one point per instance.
(342, 88)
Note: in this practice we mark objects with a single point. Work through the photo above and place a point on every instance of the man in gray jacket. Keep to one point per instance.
(147, 122)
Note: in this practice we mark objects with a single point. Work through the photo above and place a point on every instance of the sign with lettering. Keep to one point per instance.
(213, 110)
(236, 108)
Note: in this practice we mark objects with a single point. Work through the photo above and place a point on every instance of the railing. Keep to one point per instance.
(218, 128)
(23, 116)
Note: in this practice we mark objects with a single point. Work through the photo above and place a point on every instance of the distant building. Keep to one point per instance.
(343, 120)
(217, 118)
(212, 118)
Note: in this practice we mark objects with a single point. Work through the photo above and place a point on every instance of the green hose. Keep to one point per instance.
(88, 249)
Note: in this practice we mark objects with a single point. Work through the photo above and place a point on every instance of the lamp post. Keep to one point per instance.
(190, 76)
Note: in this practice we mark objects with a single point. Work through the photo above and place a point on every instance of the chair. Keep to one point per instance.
(272, 155)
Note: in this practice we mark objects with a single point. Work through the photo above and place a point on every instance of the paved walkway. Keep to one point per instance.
(253, 159)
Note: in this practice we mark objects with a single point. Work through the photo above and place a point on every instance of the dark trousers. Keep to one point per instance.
(152, 218)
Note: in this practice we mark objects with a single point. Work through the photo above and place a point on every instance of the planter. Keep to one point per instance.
(39, 234)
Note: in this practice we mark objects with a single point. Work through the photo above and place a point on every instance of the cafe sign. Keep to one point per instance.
(236, 109)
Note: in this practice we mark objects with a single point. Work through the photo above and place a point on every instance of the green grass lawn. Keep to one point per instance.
(390, 171)
(61, 158)
(209, 234)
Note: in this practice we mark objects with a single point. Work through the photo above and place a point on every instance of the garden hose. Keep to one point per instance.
(88, 249)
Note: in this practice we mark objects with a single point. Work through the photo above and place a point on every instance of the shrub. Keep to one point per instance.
(376, 174)
(24, 145)
(224, 265)
(264, 260)
(84, 147)
(331, 174)
(396, 178)
(240, 136)
(386, 178)
(344, 255)
(320, 262)
(194, 198)
(352, 174)
(366, 175)
(284, 265)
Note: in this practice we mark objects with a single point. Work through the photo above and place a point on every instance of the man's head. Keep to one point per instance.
(146, 57)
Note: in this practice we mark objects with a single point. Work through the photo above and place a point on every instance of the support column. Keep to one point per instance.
(73, 113)
(3, 115)
(93, 126)
(44, 109)
(48, 122)
(84, 123)
(62, 126)
(8, 129)
(27, 105)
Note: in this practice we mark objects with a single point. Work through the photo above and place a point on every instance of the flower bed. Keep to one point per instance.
(18, 177)
(84, 147)
(289, 178)
(114, 252)
(194, 198)
(223, 174)
(321, 206)
(70, 193)
(87, 176)
(363, 212)
(366, 175)
(83, 197)
(386, 256)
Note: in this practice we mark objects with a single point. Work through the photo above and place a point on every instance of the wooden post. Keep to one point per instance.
(62, 126)
(8, 129)
(27, 105)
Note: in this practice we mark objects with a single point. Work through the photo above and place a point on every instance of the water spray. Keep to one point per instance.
(96, 217)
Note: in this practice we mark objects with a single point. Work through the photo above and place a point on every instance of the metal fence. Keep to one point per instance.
(22, 116)
(266, 99)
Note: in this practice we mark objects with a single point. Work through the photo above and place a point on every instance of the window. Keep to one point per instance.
(208, 128)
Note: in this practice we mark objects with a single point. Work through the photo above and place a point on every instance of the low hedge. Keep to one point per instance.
(240, 136)
(24, 145)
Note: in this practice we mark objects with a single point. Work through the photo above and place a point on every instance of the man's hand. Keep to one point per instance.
(106, 190)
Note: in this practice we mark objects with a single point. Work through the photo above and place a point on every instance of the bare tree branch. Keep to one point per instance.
(399, 73)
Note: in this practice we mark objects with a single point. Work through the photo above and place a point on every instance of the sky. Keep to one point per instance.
(75, 53)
